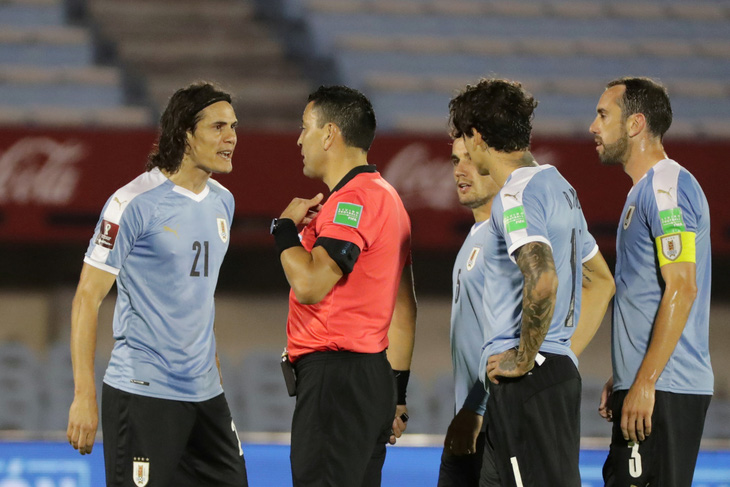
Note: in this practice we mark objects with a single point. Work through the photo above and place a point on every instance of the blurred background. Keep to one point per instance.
(83, 82)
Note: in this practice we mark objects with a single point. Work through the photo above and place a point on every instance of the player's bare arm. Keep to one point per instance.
(535, 260)
(679, 296)
(598, 289)
(401, 336)
(83, 418)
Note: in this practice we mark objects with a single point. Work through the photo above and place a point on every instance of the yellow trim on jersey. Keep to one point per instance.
(676, 247)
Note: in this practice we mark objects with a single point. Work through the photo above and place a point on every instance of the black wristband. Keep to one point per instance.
(401, 380)
(285, 234)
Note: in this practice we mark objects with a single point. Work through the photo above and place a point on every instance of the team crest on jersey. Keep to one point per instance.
(472, 258)
(223, 230)
(629, 215)
(141, 471)
(671, 246)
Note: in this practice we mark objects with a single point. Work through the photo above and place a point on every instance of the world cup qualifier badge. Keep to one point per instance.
(141, 471)
(107, 234)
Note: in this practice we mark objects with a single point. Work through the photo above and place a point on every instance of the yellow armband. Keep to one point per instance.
(676, 247)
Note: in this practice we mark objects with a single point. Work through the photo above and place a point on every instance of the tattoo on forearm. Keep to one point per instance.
(535, 260)
(586, 271)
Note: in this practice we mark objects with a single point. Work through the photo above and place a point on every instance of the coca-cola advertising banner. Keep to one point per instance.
(53, 183)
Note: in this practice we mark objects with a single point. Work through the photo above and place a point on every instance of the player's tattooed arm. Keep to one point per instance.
(587, 272)
(535, 260)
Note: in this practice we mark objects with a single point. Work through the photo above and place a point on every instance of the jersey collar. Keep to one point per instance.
(354, 172)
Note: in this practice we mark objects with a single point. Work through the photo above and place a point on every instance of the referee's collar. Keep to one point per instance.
(354, 172)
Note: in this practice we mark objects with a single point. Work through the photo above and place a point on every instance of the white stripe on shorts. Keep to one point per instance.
(516, 470)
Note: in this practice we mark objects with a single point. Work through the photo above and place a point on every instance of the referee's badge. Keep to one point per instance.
(472, 258)
(141, 471)
(671, 246)
(223, 230)
(629, 214)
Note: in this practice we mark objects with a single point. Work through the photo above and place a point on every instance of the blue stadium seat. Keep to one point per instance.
(545, 42)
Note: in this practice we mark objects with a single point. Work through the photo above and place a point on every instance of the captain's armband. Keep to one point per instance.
(676, 247)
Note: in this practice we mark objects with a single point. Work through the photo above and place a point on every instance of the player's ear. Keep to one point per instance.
(635, 124)
(478, 139)
(188, 140)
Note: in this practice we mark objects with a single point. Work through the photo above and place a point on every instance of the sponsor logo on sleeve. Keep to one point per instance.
(107, 234)
(141, 471)
(671, 220)
(222, 229)
(348, 214)
(515, 219)
(671, 246)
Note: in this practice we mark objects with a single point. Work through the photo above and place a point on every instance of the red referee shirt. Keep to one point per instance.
(355, 315)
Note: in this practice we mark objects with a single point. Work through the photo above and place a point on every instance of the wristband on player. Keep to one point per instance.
(285, 234)
(401, 379)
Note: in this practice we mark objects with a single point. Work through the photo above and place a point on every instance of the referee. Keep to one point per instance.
(351, 299)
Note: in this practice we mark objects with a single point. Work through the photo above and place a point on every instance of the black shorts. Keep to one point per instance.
(342, 419)
(667, 457)
(171, 443)
(533, 425)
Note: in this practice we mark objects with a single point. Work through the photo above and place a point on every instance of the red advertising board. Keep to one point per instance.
(53, 183)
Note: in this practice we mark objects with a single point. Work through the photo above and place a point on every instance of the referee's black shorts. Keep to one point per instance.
(667, 457)
(342, 420)
(533, 425)
(169, 443)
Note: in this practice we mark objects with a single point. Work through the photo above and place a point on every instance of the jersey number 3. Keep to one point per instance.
(200, 248)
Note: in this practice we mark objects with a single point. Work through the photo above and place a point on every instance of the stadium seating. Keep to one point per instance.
(169, 44)
(410, 56)
(49, 74)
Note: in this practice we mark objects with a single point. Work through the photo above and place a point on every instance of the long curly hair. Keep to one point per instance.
(182, 114)
(500, 110)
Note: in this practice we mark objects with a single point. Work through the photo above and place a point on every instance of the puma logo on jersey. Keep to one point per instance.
(171, 230)
(666, 192)
(512, 195)
(120, 203)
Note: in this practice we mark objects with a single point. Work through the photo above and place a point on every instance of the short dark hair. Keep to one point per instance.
(350, 110)
(499, 109)
(182, 114)
(647, 96)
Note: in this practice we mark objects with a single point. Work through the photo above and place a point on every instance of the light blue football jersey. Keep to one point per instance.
(467, 321)
(536, 204)
(165, 244)
(666, 201)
